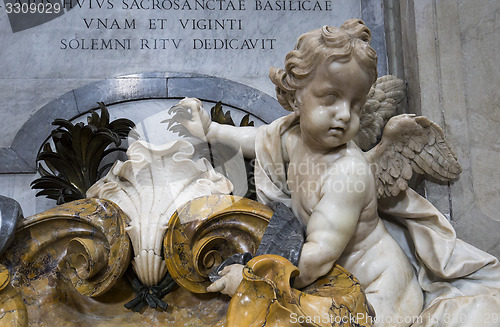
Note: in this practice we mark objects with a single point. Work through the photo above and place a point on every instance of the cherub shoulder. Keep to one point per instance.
(352, 161)
(351, 173)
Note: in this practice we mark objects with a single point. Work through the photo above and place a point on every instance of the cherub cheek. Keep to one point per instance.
(323, 116)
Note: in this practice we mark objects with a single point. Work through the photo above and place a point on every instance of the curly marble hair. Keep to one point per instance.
(326, 43)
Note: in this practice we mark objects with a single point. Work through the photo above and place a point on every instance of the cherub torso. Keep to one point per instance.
(371, 254)
(371, 251)
(306, 176)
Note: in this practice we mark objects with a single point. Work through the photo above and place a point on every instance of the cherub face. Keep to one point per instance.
(330, 104)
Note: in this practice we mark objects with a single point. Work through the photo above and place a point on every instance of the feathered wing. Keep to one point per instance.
(408, 144)
(383, 99)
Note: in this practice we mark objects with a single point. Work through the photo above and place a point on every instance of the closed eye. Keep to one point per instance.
(330, 98)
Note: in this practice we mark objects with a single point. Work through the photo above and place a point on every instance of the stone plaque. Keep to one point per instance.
(50, 47)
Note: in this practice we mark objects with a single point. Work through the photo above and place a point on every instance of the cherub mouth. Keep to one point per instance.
(336, 129)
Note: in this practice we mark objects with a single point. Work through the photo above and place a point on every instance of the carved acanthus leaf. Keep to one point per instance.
(149, 187)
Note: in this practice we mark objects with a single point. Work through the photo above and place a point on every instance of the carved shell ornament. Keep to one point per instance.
(149, 187)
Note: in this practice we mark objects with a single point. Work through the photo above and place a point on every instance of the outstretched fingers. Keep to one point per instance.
(178, 123)
(180, 114)
(189, 119)
(181, 110)
(180, 130)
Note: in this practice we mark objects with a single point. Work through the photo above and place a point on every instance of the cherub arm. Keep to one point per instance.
(189, 115)
(238, 137)
(333, 221)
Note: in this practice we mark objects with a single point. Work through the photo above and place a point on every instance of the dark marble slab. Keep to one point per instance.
(119, 90)
(372, 12)
(37, 129)
(10, 214)
(285, 235)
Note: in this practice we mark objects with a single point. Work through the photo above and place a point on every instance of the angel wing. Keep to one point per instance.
(383, 99)
(408, 144)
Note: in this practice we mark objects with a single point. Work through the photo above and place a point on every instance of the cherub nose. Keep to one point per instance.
(343, 112)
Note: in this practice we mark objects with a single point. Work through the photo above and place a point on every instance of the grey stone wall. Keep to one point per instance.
(238, 42)
(450, 52)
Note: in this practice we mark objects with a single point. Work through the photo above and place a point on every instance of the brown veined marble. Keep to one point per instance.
(68, 262)
(84, 240)
(4, 277)
(207, 230)
(66, 265)
(53, 301)
(265, 298)
(12, 309)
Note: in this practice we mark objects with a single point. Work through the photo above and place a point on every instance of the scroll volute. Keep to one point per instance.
(84, 239)
(206, 231)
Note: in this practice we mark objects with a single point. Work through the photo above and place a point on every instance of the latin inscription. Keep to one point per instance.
(194, 25)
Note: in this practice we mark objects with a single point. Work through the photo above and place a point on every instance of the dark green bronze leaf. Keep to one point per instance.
(218, 115)
(76, 162)
(245, 121)
(221, 117)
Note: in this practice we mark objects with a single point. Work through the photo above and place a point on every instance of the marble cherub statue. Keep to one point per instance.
(312, 161)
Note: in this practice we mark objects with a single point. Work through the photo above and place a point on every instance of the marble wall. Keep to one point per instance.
(451, 65)
(238, 40)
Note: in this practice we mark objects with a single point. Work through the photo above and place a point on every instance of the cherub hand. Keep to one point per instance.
(231, 277)
(189, 117)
